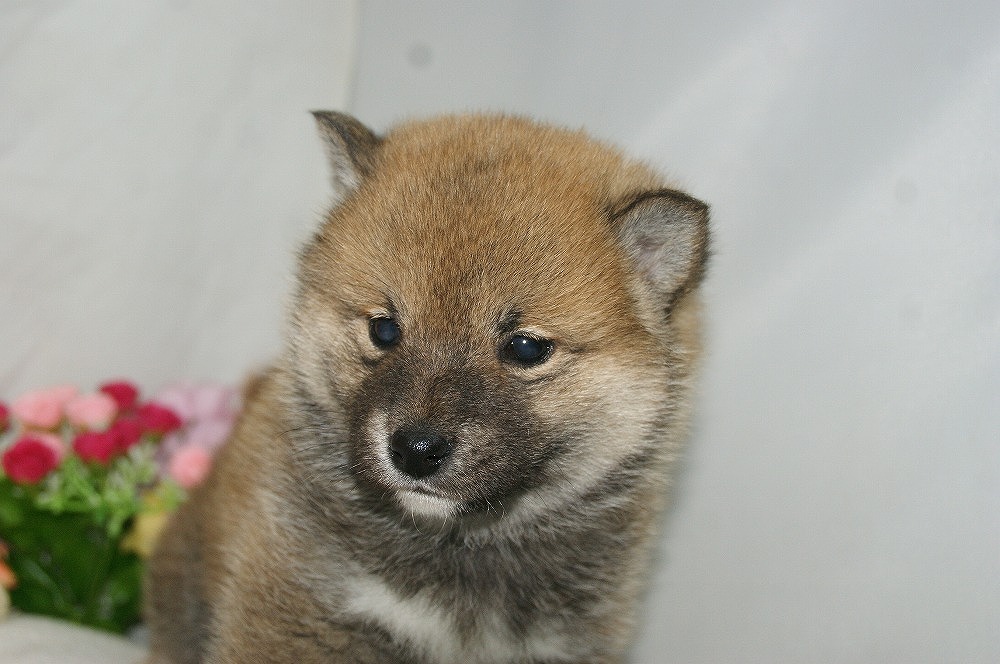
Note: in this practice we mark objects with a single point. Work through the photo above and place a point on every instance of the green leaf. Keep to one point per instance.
(68, 565)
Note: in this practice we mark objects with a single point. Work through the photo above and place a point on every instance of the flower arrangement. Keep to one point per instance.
(87, 481)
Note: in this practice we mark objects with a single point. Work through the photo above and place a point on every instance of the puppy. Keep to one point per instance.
(462, 452)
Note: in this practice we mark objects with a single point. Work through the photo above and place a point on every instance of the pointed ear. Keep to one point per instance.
(351, 149)
(665, 233)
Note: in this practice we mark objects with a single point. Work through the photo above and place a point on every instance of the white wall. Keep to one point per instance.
(158, 170)
(841, 499)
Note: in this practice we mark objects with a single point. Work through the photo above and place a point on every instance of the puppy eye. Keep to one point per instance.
(526, 350)
(384, 331)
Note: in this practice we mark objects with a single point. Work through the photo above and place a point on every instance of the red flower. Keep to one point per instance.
(94, 446)
(123, 392)
(29, 460)
(128, 431)
(4, 417)
(158, 419)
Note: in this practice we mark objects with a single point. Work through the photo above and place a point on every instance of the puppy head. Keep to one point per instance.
(486, 322)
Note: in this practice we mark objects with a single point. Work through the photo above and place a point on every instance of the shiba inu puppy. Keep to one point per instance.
(462, 452)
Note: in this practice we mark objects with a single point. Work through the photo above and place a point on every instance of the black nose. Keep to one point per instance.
(418, 452)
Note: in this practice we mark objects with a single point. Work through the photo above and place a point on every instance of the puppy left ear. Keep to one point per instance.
(351, 148)
(665, 233)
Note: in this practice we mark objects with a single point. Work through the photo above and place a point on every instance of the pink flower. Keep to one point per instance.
(29, 460)
(96, 446)
(177, 397)
(63, 393)
(41, 409)
(158, 419)
(123, 392)
(189, 466)
(91, 411)
(195, 402)
(209, 434)
(213, 402)
(4, 417)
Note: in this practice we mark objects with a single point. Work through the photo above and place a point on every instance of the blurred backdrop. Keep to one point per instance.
(840, 499)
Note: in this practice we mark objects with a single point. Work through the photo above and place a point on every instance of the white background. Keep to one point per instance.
(840, 500)
(158, 169)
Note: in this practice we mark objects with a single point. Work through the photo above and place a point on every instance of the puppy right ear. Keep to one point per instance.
(665, 233)
(351, 149)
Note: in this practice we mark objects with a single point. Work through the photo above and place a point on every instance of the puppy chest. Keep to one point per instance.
(487, 628)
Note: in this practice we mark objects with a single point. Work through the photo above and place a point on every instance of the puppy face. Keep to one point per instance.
(479, 327)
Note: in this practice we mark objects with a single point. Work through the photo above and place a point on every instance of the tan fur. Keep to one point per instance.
(530, 544)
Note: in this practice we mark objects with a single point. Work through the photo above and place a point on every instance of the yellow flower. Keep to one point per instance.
(7, 578)
(146, 529)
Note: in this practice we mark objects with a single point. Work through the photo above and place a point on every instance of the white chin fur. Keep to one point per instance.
(419, 503)
(422, 504)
